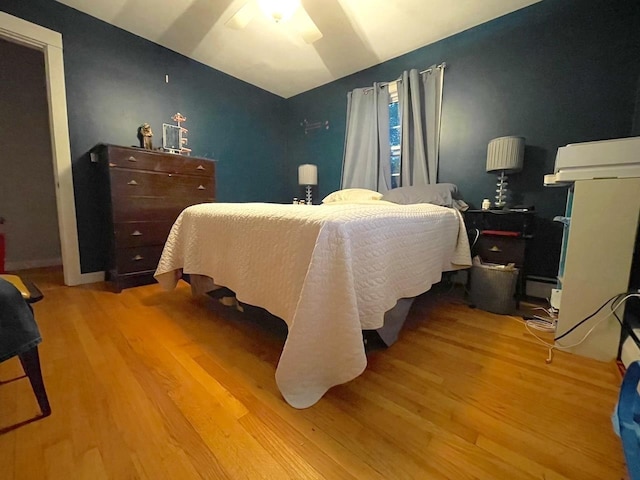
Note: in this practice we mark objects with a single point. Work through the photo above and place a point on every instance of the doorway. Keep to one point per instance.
(48, 42)
(27, 191)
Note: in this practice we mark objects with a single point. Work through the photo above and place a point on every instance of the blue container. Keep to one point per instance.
(626, 419)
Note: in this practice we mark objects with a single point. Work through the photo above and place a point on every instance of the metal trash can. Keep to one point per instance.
(493, 287)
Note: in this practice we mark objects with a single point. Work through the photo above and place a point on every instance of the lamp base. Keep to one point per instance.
(309, 198)
(501, 191)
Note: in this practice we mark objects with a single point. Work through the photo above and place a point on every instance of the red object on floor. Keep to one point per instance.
(621, 368)
(502, 233)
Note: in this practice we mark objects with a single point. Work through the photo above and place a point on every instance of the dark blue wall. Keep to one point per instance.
(116, 81)
(636, 118)
(557, 72)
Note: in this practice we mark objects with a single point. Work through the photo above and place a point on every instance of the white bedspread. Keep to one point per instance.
(328, 271)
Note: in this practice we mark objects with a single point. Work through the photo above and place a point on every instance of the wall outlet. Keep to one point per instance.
(556, 296)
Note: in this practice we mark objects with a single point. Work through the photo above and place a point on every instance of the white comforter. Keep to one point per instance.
(328, 271)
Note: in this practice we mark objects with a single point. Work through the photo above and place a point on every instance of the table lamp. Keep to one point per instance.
(308, 176)
(504, 155)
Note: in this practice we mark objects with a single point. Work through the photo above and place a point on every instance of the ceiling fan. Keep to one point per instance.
(280, 11)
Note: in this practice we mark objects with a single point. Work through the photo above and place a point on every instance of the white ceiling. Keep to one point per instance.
(357, 34)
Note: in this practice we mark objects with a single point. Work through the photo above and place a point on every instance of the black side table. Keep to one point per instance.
(501, 220)
(502, 237)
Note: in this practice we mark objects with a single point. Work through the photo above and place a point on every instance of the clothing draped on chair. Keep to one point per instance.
(19, 333)
(366, 162)
(18, 329)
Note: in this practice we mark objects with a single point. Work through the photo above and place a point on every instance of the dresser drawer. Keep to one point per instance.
(503, 250)
(138, 259)
(137, 234)
(148, 208)
(504, 220)
(125, 182)
(159, 162)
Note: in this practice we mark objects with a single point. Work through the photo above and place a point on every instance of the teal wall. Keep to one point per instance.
(115, 81)
(635, 131)
(557, 72)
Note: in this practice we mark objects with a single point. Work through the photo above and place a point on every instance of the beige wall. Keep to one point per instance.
(27, 195)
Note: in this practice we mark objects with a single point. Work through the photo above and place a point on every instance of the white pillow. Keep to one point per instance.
(352, 194)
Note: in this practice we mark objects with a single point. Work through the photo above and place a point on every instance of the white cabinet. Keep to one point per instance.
(599, 251)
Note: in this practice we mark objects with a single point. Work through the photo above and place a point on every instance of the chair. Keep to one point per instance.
(19, 334)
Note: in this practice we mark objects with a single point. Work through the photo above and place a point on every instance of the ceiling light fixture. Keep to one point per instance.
(279, 10)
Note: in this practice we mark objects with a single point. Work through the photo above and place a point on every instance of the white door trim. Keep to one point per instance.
(50, 43)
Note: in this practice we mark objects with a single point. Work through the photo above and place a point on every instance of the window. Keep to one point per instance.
(395, 133)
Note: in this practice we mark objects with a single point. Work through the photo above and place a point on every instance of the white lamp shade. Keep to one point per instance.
(505, 153)
(307, 174)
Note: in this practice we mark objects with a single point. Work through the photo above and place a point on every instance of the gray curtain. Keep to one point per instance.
(420, 99)
(366, 162)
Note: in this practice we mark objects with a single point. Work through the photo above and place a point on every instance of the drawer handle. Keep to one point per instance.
(112, 165)
(132, 159)
(201, 187)
(199, 167)
(132, 182)
(137, 258)
(137, 233)
(495, 248)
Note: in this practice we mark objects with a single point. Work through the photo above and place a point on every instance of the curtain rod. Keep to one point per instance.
(441, 66)
(428, 70)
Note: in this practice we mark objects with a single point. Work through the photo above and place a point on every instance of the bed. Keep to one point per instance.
(329, 271)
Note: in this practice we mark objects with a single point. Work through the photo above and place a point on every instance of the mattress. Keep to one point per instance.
(328, 271)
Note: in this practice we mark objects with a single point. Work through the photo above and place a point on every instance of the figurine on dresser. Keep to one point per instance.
(145, 134)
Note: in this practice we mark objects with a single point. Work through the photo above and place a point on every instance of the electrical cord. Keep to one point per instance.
(627, 328)
(614, 306)
(611, 313)
(549, 311)
(540, 323)
(475, 239)
(615, 297)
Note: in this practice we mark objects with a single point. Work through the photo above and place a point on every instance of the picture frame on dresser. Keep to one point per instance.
(144, 192)
(171, 138)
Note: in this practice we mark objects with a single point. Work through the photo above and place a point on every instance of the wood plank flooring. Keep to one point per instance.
(153, 385)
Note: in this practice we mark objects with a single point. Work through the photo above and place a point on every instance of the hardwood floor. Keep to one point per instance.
(153, 384)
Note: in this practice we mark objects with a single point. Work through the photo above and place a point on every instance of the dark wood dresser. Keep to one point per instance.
(144, 193)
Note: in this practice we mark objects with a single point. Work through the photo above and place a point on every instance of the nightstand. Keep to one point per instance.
(503, 237)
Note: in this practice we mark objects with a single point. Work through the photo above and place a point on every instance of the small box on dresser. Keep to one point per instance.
(144, 193)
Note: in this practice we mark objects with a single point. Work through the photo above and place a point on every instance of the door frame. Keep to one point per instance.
(49, 42)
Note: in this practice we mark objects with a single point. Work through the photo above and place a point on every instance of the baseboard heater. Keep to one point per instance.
(540, 287)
